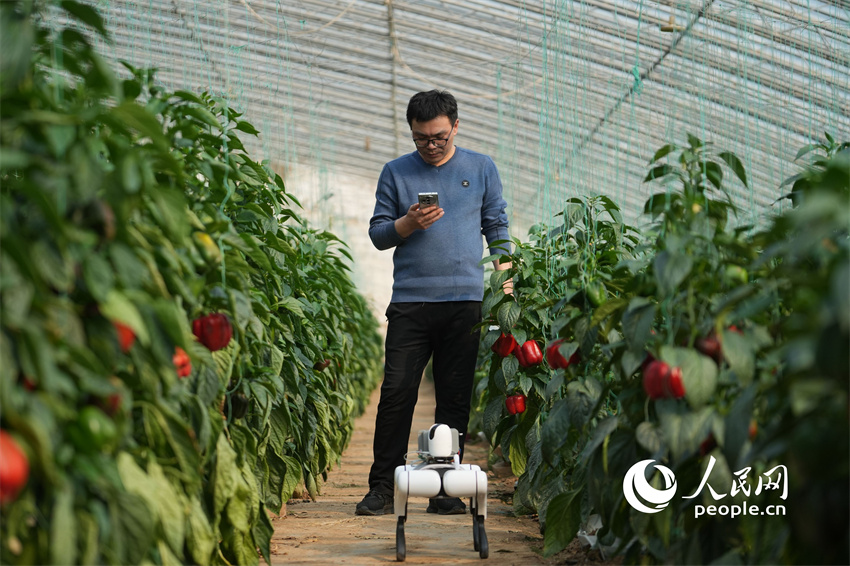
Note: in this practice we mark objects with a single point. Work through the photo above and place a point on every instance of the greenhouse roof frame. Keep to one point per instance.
(570, 97)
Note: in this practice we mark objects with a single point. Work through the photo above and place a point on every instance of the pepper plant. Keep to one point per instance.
(581, 253)
(126, 212)
(716, 351)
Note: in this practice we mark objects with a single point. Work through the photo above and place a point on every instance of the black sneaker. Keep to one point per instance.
(375, 503)
(446, 506)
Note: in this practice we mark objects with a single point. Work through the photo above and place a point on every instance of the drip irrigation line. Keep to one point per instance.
(638, 81)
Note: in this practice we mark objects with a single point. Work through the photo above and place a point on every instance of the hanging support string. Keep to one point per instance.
(639, 78)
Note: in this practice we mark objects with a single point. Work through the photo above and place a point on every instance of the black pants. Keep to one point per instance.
(415, 331)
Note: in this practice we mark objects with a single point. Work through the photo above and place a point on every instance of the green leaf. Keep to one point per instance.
(520, 336)
(714, 173)
(13, 159)
(173, 319)
(735, 165)
(808, 148)
(133, 529)
(555, 429)
(605, 427)
(277, 358)
(135, 116)
(168, 206)
(263, 531)
(740, 353)
(662, 152)
(292, 478)
(159, 494)
(88, 537)
(63, 528)
(563, 519)
(256, 253)
(518, 454)
(56, 269)
(226, 475)
(177, 434)
(606, 309)
(490, 258)
(191, 97)
(660, 202)
(60, 138)
(525, 383)
(649, 437)
(631, 361)
(118, 307)
(554, 385)
(493, 416)
(18, 31)
(202, 115)
(508, 315)
(86, 14)
(497, 278)
(637, 323)
(131, 178)
(247, 127)
(490, 338)
(736, 425)
(98, 275)
(129, 269)
(658, 172)
(243, 313)
(582, 398)
(694, 141)
(170, 506)
(671, 269)
(685, 430)
(292, 305)
(510, 365)
(166, 554)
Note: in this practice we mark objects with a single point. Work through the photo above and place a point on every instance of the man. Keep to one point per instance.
(438, 283)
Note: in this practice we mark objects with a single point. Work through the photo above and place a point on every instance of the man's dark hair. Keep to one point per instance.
(425, 106)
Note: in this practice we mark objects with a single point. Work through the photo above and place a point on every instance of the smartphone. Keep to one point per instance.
(428, 199)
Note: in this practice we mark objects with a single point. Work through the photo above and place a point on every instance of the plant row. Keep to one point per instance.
(180, 350)
(715, 349)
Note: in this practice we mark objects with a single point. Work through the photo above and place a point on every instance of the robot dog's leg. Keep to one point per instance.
(400, 508)
(410, 481)
(479, 535)
(470, 481)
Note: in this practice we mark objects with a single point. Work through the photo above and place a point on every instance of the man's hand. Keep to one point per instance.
(508, 285)
(416, 219)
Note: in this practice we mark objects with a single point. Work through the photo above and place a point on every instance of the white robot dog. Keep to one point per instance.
(441, 475)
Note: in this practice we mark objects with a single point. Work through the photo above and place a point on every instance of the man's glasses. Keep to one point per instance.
(437, 142)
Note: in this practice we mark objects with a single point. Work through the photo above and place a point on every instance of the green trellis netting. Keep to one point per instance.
(570, 97)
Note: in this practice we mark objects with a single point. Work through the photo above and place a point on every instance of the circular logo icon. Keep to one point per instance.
(637, 489)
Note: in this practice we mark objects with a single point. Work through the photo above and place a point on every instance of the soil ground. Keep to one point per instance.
(327, 531)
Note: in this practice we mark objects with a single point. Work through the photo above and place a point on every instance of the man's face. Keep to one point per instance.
(429, 135)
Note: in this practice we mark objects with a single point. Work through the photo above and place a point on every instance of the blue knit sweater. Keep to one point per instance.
(441, 263)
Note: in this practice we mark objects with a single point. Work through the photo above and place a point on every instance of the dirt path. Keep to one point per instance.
(327, 531)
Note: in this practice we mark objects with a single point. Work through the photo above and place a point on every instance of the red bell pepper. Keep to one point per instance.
(504, 345)
(213, 330)
(14, 468)
(515, 404)
(126, 336)
(660, 381)
(529, 354)
(182, 362)
(556, 360)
